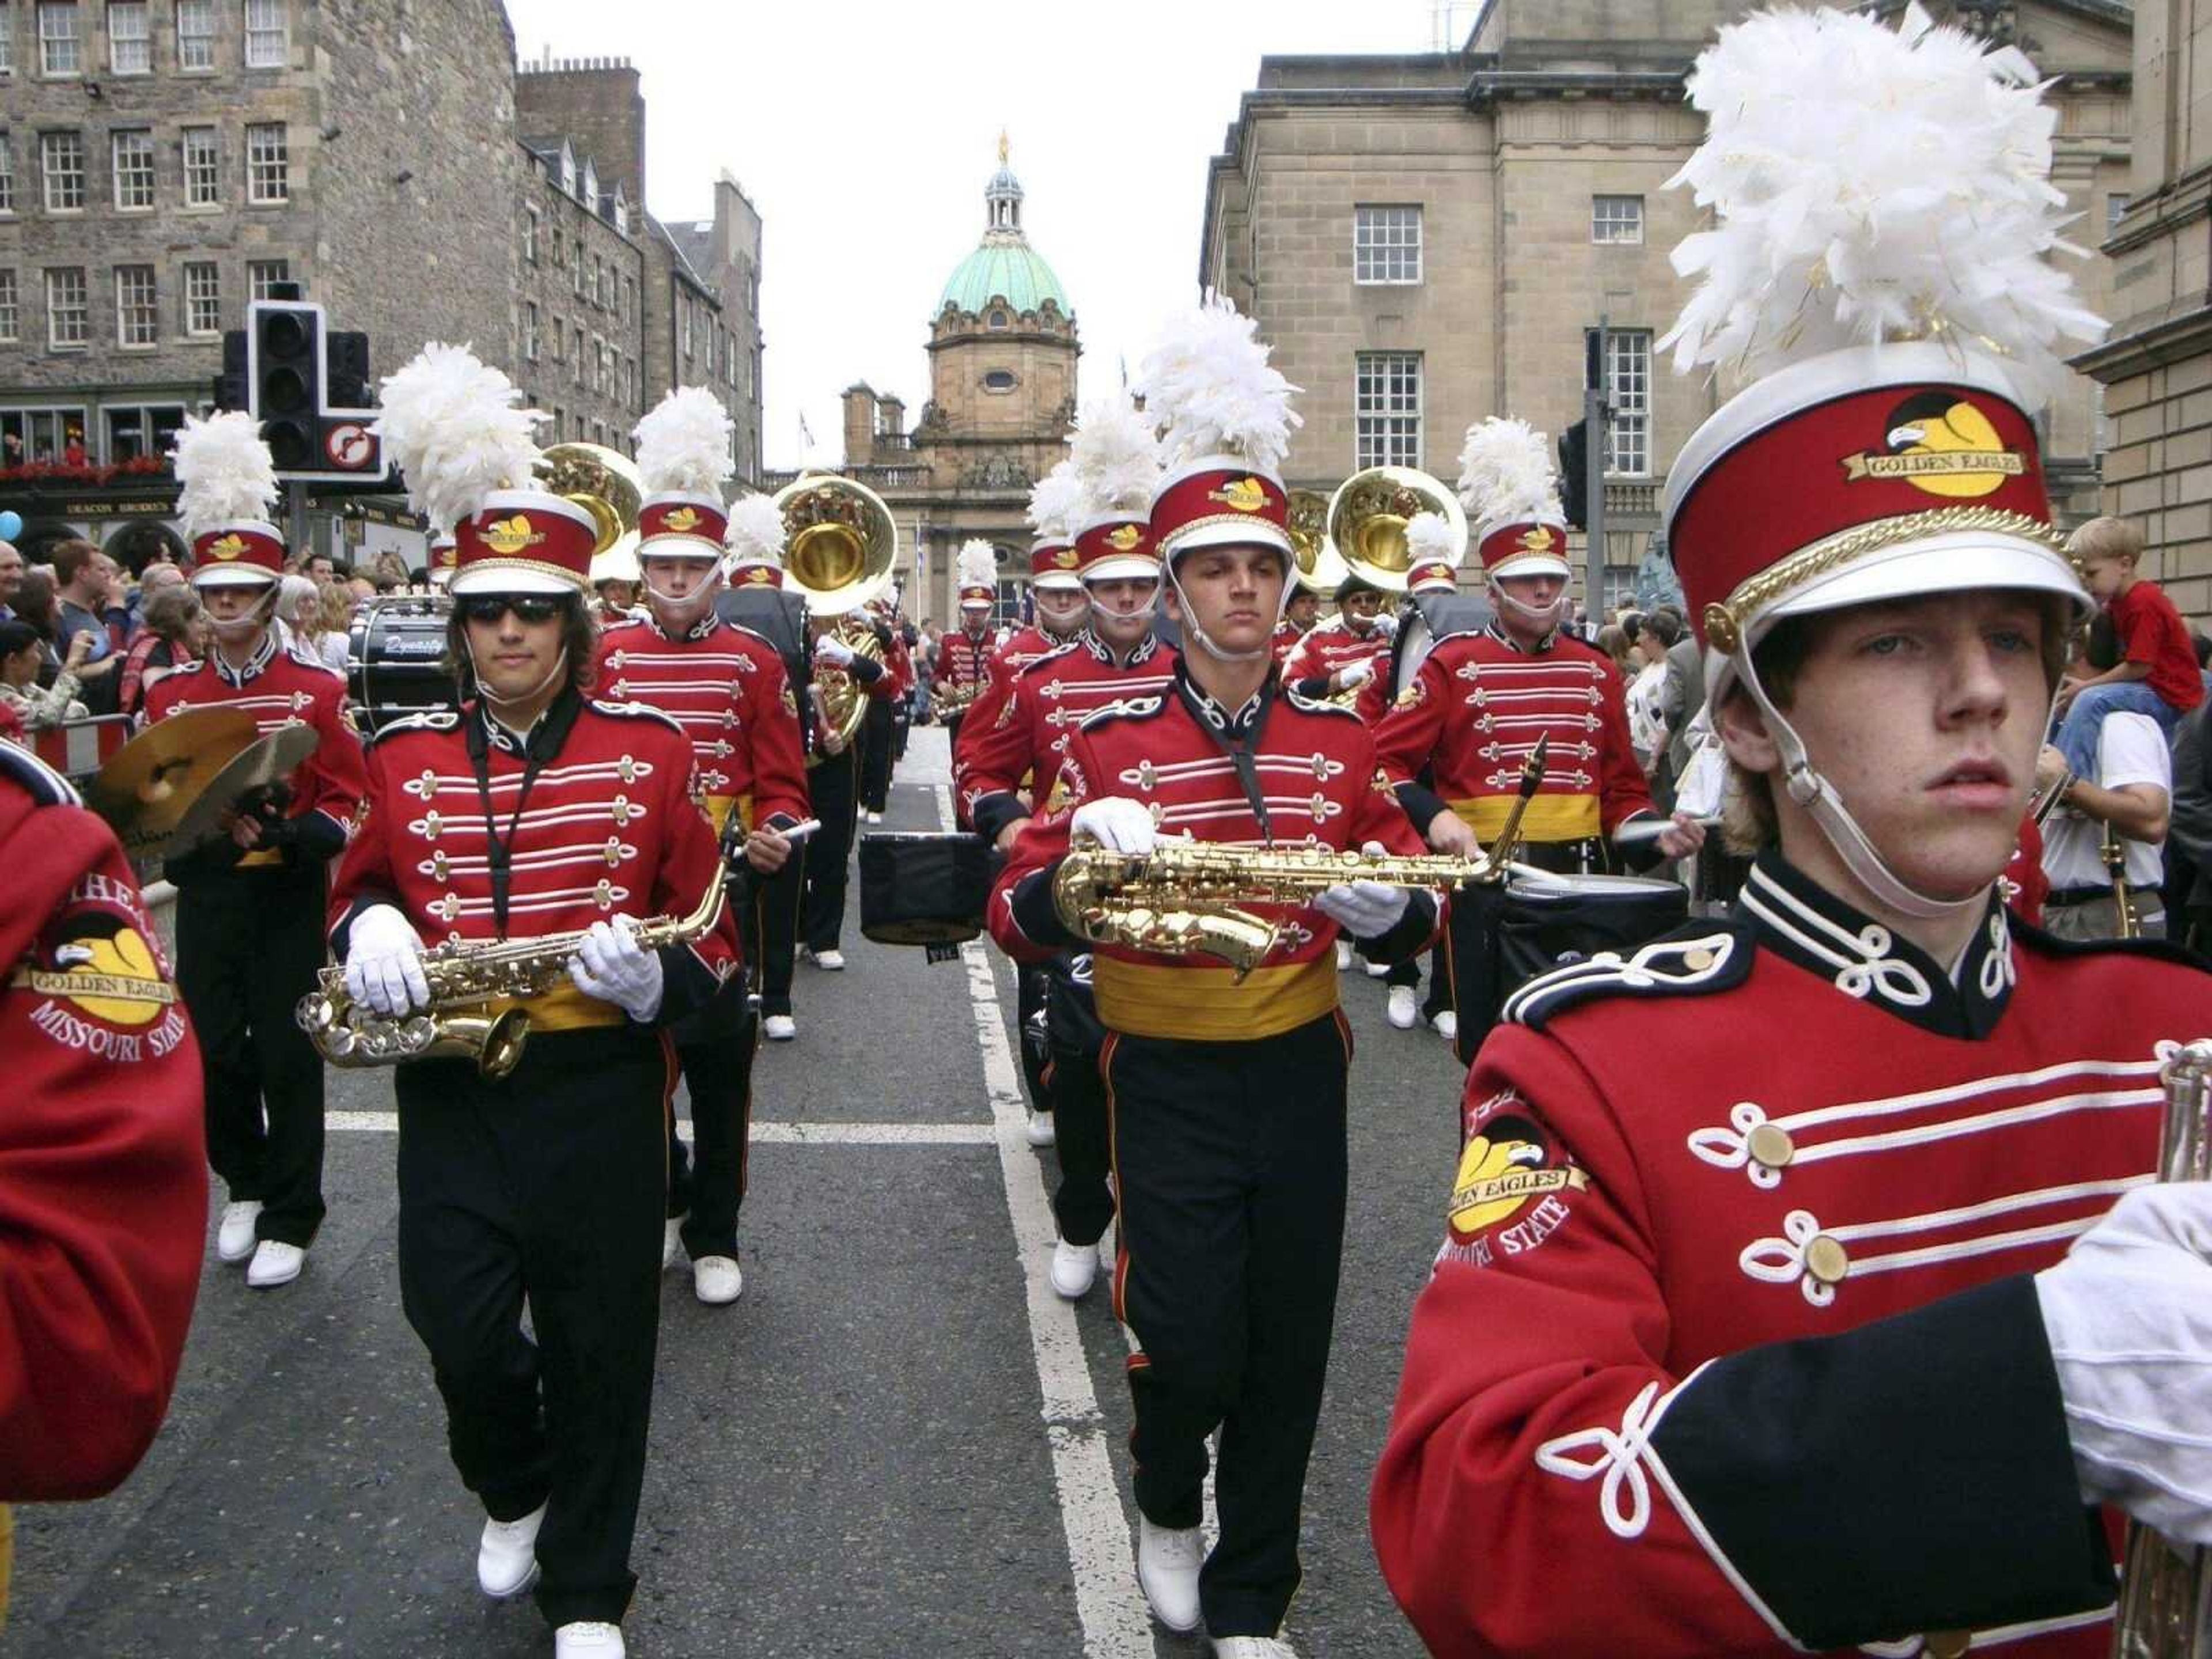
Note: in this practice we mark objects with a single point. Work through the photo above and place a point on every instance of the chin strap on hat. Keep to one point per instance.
(1541, 616)
(560, 667)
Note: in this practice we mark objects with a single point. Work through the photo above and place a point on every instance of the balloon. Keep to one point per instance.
(11, 526)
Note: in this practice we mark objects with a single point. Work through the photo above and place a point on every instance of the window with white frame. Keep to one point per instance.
(1628, 390)
(1387, 410)
(1617, 221)
(61, 165)
(60, 52)
(268, 163)
(40, 435)
(6, 172)
(576, 356)
(139, 430)
(1386, 244)
(7, 38)
(264, 275)
(264, 33)
(137, 309)
(203, 297)
(68, 317)
(195, 34)
(530, 330)
(130, 39)
(11, 308)
(134, 169)
(560, 340)
(530, 235)
(202, 168)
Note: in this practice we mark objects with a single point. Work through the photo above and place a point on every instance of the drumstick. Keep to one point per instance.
(798, 831)
(1651, 828)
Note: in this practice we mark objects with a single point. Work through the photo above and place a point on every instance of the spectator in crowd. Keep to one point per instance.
(2131, 793)
(22, 654)
(1614, 640)
(1656, 633)
(11, 578)
(173, 635)
(361, 589)
(2189, 834)
(389, 572)
(37, 604)
(299, 615)
(2156, 673)
(85, 580)
(333, 622)
(319, 567)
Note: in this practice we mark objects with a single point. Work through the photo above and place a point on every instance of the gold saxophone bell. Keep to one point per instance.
(1368, 515)
(839, 548)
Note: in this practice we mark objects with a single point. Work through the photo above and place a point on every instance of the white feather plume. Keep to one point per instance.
(684, 443)
(1505, 473)
(224, 474)
(755, 531)
(1206, 384)
(1058, 504)
(451, 423)
(1431, 539)
(1873, 184)
(1117, 455)
(979, 564)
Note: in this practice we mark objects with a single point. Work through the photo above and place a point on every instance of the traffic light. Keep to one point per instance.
(285, 341)
(1574, 473)
(345, 363)
(231, 391)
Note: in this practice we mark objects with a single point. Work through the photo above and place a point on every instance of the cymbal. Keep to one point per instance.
(271, 760)
(149, 783)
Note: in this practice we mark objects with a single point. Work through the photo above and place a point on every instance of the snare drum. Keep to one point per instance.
(924, 887)
(395, 660)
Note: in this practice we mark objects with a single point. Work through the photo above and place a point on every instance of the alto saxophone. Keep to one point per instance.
(1189, 898)
(463, 977)
(2166, 1587)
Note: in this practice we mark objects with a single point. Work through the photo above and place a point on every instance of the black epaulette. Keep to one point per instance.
(1129, 709)
(1299, 701)
(428, 719)
(46, 786)
(2157, 949)
(638, 711)
(1706, 956)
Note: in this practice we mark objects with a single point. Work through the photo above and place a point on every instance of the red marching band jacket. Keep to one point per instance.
(103, 1178)
(1316, 776)
(1730, 1347)
(1473, 713)
(281, 688)
(1042, 705)
(1287, 635)
(1333, 646)
(725, 686)
(962, 661)
(1008, 658)
(898, 660)
(612, 826)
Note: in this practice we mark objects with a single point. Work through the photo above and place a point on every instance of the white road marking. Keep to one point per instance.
(1100, 1548)
(772, 1133)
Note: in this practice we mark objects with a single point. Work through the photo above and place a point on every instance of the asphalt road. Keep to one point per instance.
(898, 1444)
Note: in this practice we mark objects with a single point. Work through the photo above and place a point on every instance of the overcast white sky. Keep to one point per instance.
(865, 131)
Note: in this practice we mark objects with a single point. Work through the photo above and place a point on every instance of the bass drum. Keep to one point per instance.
(395, 660)
(924, 887)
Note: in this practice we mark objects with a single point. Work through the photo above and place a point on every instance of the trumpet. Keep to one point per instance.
(465, 977)
(949, 702)
(1189, 898)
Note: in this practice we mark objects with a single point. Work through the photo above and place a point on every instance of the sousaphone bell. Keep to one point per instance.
(1368, 515)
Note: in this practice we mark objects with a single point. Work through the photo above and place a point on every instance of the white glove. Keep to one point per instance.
(1116, 823)
(2128, 1313)
(832, 650)
(1364, 910)
(1357, 674)
(611, 965)
(1386, 624)
(384, 963)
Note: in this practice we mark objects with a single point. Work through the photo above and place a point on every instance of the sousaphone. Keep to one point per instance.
(1315, 561)
(607, 485)
(1368, 515)
(840, 546)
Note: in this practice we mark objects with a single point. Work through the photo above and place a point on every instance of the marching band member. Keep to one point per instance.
(758, 603)
(1347, 654)
(248, 946)
(1227, 1092)
(615, 579)
(964, 655)
(1780, 1346)
(1115, 657)
(725, 687)
(833, 781)
(534, 810)
(1300, 612)
(878, 730)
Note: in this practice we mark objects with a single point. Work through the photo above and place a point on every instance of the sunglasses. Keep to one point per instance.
(527, 607)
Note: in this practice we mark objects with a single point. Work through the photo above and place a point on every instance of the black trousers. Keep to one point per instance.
(828, 851)
(548, 1184)
(875, 743)
(1031, 981)
(714, 1050)
(249, 942)
(901, 724)
(767, 926)
(1083, 1203)
(1230, 1160)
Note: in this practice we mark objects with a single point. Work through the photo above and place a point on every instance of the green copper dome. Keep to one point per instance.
(1004, 270)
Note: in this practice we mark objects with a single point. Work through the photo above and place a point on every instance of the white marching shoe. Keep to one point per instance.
(717, 1279)
(778, 1028)
(588, 1638)
(875, 817)
(1378, 970)
(1252, 1647)
(1446, 1025)
(1168, 1560)
(234, 1240)
(830, 960)
(506, 1555)
(1404, 1010)
(1343, 954)
(1042, 1130)
(1074, 1267)
(671, 1242)
(274, 1263)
